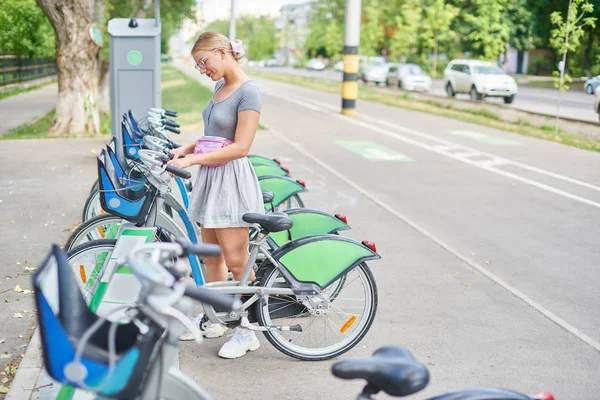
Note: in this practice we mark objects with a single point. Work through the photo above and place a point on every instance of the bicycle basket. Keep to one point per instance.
(64, 317)
(120, 200)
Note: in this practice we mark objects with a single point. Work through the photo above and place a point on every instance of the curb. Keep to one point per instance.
(30, 368)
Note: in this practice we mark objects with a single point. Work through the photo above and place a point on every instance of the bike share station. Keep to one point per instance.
(135, 84)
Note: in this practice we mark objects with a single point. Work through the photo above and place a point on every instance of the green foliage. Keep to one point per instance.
(539, 66)
(521, 25)
(407, 24)
(257, 33)
(568, 32)
(371, 30)
(319, 40)
(490, 32)
(24, 29)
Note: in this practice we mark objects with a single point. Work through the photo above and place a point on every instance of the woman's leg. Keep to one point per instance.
(216, 270)
(234, 247)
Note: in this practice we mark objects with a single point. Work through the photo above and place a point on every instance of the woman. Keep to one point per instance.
(223, 194)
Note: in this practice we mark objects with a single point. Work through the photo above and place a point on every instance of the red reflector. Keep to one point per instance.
(342, 217)
(286, 169)
(543, 396)
(370, 245)
(277, 161)
(301, 182)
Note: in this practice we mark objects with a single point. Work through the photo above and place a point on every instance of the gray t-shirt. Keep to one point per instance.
(220, 118)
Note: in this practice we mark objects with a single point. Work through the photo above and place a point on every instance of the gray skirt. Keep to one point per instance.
(222, 195)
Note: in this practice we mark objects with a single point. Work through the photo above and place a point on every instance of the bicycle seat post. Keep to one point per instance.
(367, 392)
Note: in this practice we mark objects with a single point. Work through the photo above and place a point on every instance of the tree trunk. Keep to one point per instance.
(104, 87)
(77, 66)
(588, 52)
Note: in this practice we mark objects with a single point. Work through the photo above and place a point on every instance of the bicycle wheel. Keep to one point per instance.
(328, 331)
(95, 187)
(87, 261)
(104, 226)
(92, 207)
(295, 201)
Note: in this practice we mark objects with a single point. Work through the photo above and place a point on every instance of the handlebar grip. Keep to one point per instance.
(171, 129)
(174, 145)
(214, 299)
(170, 113)
(178, 171)
(170, 122)
(171, 155)
(202, 250)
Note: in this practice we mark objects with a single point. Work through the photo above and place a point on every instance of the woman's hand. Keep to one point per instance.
(181, 163)
(179, 152)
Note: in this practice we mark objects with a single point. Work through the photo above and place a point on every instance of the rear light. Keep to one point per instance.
(286, 169)
(371, 245)
(543, 396)
(301, 182)
(342, 218)
(277, 161)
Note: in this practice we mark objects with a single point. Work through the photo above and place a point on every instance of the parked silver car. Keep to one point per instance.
(597, 101)
(408, 77)
(591, 84)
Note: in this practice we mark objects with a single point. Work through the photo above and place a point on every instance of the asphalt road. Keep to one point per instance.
(575, 103)
(490, 268)
(490, 262)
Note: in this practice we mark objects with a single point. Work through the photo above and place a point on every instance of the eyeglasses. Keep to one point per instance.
(202, 63)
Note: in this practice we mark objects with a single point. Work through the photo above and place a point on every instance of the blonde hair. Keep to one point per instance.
(209, 41)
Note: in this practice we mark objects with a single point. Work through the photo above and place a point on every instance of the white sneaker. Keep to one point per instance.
(243, 340)
(212, 331)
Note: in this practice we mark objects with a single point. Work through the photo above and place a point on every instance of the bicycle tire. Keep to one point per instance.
(285, 345)
(88, 228)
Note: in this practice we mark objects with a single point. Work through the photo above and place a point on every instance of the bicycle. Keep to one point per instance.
(144, 349)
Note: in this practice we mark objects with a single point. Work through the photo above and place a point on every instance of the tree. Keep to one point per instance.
(566, 36)
(324, 13)
(372, 32)
(257, 33)
(77, 58)
(407, 26)
(25, 31)
(521, 25)
(489, 30)
(436, 27)
(334, 40)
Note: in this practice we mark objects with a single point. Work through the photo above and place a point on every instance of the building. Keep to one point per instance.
(293, 25)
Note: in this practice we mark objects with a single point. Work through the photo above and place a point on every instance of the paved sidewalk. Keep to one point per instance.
(26, 107)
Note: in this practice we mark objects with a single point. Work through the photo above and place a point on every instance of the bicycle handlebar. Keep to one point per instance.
(178, 171)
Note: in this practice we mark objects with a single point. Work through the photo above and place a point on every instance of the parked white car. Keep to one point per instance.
(376, 73)
(408, 77)
(597, 100)
(339, 66)
(315, 64)
(479, 79)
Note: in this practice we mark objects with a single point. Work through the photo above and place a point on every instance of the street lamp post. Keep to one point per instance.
(350, 57)
(232, 20)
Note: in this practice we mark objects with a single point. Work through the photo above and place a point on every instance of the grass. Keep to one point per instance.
(186, 95)
(477, 116)
(180, 93)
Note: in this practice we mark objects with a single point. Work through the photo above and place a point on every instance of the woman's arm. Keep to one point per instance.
(244, 136)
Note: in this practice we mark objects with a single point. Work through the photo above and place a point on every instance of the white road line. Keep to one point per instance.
(482, 164)
(548, 314)
(451, 144)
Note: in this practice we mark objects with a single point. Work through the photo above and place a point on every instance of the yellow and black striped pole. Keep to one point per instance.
(350, 57)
